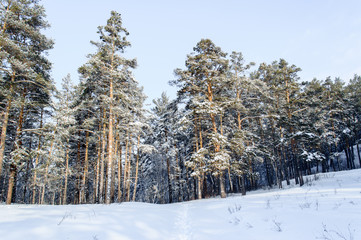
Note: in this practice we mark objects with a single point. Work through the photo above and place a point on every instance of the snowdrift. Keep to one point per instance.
(327, 207)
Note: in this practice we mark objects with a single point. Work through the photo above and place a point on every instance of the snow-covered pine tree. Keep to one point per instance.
(164, 160)
(353, 90)
(65, 117)
(91, 131)
(131, 122)
(332, 118)
(24, 68)
(282, 80)
(312, 128)
(118, 104)
(51, 156)
(246, 109)
(201, 81)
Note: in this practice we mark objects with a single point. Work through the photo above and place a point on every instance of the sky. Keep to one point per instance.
(322, 37)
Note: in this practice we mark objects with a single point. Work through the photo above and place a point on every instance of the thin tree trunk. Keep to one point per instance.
(230, 179)
(199, 187)
(77, 175)
(96, 185)
(243, 184)
(178, 174)
(201, 177)
(358, 154)
(17, 145)
(129, 169)
(352, 157)
(13, 170)
(110, 128)
(46, 171)
(136, 170)
(53, 199)
(27, 171)
(229, 168)
(125, 175)
(5, 124)
(44, 187)
(66, 174)
(120, 175)
(37, 158)
(170, 190)
(222, 186)
(110, 157)
(82, 198)
(348, 161)
(112, 187)
(102, 162)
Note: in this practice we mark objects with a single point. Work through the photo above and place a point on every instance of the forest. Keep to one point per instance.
(234, 126)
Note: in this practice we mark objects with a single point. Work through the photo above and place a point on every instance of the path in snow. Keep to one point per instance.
(183, 223)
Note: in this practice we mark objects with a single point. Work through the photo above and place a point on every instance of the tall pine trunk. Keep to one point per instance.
(110, 156)
(120, 175)
(170, 190)
(47, 170)
(82, 198)
(5, 123)
(66, 174)
(201, 176)
(3, 134)
(129, 173)
(125, 174)
(102, 161)
(27, 171)
(112, 187)
(12, 176)
(17, 145)
(136, 171)
(97, 168)
(37, 158)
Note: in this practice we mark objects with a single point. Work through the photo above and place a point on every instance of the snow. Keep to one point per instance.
(328, 206)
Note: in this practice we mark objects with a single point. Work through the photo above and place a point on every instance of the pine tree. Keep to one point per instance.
(247, 95)
(116, 101)
(282, 80)
(203, 79)
(24, 70)
(353, 90)
(65, 118)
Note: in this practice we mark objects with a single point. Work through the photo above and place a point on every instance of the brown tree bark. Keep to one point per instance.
(82, 198)
(5, 123)
(125, 174)
(136, 170)
(102, 161)
(47, 171)
(17, 145)
(120, 175)
(37, 158)
(66, 175)
(12, 174)
(97, 168)
(129, 173)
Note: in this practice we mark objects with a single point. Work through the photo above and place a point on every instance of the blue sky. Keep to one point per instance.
(322, 37)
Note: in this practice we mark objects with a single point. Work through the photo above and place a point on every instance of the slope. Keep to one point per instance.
(327, 207)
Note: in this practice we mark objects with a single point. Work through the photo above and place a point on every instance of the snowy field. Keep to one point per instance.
(326, 208)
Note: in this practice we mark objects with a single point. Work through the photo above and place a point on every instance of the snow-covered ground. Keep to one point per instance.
(326, 208)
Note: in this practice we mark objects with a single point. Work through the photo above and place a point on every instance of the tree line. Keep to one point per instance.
(233, 127)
